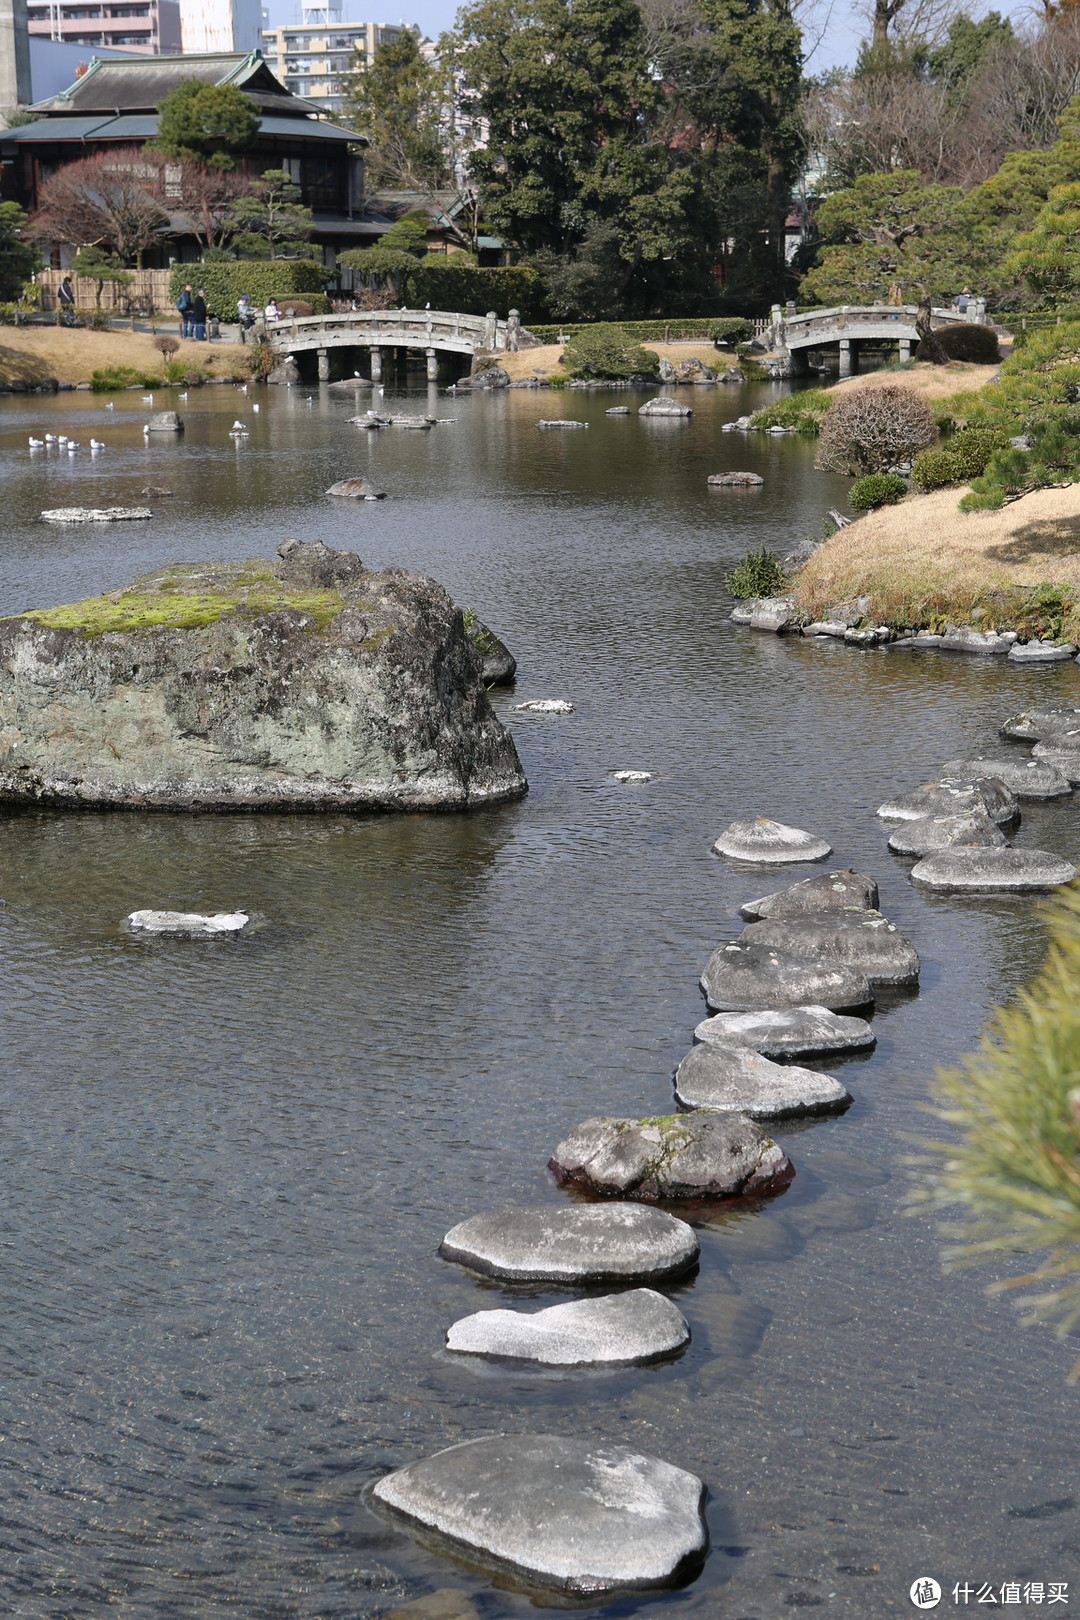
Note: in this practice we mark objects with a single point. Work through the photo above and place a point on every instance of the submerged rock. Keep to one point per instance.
(788, 1032)
(189, 924)
(577, 1244)
(742, 977)
(96, 514)
(1024, 778)
(707, 1155)
(357, 489)
(577, 1516)
(1064, 760)
(306, 683)
(632, 776)
(954, 797)
(165, 422)
(1041, 721)
(967, 869)
(730, 1077)
(617, 410)
(735, 480)
(858, 938)
(826, 891)
(616, 1330)
(561, 422)
(928, 833)
(760, 840)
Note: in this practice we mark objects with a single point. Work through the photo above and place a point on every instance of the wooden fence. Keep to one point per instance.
(147, 293)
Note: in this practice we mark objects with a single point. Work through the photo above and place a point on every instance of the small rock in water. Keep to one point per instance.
(1024, 778)
(954, 797)
(618, 410)
(927, 833)
(545, 706)
(745, 978)
(1040, 722)
(188, 924)
(561, 422)
(788, 1032)
(663, 405)
(733, 1078)
(964, 639)
(583, 1243)
(1064, 760)
(1042, 652)
(166, 422)
(705, 1155)
(615, 1330)
(632, 776)
(735, 480)
(826, 891)
(761, 840)
(96, 514)
(578, 1516)
(154, 492)
(859, 938)
(357, 489)
(965, 869)
(773, 613)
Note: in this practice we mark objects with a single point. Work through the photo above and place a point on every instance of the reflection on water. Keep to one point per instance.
(228, 1167)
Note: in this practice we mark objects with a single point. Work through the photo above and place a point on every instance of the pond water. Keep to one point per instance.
(227, 1168)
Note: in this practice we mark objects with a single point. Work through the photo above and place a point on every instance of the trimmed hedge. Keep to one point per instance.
(710, 329)
(470, 291)
(965, 341)
(261, 279)
(876, 489)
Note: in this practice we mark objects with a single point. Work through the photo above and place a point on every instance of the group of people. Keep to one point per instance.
(192, 309)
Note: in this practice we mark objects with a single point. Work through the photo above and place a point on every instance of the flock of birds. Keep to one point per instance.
(61, 441)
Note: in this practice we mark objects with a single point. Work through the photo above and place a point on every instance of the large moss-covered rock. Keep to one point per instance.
(304, 683)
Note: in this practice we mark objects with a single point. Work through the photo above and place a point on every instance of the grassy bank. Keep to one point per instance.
(31, 354)
(544, 361)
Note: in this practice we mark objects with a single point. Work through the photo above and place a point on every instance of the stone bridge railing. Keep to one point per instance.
(433, 330)
(790, 333)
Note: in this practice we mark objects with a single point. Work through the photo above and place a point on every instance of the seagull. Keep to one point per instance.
(243, 388)
(148, 399)
(50, 438)
(255, 408)
(97, 444)
(36, 444)
(71, 447)
(109, 406)
(146, 432)
(237, 424)
(63, 439)
(181, 396)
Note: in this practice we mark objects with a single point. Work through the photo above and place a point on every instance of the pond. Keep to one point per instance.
(227, 1168)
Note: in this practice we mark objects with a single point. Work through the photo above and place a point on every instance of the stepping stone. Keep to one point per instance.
(729, 1077)
(664, 405)
(545, 706)
(616, 1330)
(746, 978)
(96, 514)
(582, 1517)
(618, 410)
(1037, 723)
(1042, 652)
(735, 480)
(828, 891)
(675, 1156)
(1024, 778)
(758, 839)
(858, 938)
(965, 869)
(953, 797)
(1065, 760)
(188, 924)
(632, 776)
(789, 1033)
(964, 639)
(927, 833)
(357, 489)
(585, 1243)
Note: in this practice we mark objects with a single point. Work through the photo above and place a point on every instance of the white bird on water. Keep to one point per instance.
(36, 444)
(181, 396)
(148, 399)
(146, 432)
(62, 438)
(97, 444)
(109, 406)
(255, 408)
(71, 447)
(50, 438)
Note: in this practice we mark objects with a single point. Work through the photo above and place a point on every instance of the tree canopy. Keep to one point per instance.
(18, 258)
(269, 221)
(206, 123)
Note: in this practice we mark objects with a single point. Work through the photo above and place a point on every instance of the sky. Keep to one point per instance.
(837, 48)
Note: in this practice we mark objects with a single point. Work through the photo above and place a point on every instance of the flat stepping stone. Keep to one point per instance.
(617, 1330)
(735, 480)
(663, 405)
(1037, 723)
(1065, 760)
(357, 489)
(577, 1516)
(733, 1078)
(953, 797)
(632, 776)
(96, 514)
(858, 938)
(676, 1156)
(790, 1032)
(827, 891)
(969, 870)
(544, 706)
(1042, 652)
(617, 410)
(583, 1244)
(927, 833)
(189, 924)
(1024, 778)
(758, 839)
(747, 977)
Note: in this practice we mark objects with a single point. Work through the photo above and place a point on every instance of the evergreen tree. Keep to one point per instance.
(398, 103)
(18, 260)
(271, 222)
(205, 123)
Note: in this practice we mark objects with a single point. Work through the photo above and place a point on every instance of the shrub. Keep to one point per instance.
(591, 354)
(166, 345)
(759, 574)
(1054, 458)
(972, 448)
(876, 489)
(965, 341)
(802, 410)
(263, 358)
(870, 429)
(298, 307)
(468, 291)
(261, 279)
(936, 469)
(111, 378)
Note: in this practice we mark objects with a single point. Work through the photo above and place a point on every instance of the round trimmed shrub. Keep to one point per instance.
(869, 430)
(965, 341)
(972, 448)
(935, 469)
(876, 489)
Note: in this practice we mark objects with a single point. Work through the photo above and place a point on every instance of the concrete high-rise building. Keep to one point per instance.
(313, 57)
(150, 27)
(220, 25)
(14, 57)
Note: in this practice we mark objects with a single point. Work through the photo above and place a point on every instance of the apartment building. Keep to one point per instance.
(146, 26)
(220, 25)
(312, 58)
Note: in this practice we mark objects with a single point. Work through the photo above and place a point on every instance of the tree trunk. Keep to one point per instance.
(926, 333)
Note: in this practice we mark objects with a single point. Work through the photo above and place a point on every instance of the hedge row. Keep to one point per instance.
(470, 291)
(261, 279)
(710, 329)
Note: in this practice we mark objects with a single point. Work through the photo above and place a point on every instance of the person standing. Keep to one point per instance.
(272, 311)
(198, 316)
(246, 316)
(183, 304)
(65, 297)
(962, 301)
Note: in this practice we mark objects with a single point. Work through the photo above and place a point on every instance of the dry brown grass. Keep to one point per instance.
(73, 354)
(934, 382)
(923, 559)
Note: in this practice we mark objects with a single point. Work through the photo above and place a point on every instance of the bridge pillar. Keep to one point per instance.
(904, 346)
(848, 358)
(376, 363)
(324, 365)
(433, 365)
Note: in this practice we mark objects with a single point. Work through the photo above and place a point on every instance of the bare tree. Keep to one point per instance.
(106, 200)
(204, 197)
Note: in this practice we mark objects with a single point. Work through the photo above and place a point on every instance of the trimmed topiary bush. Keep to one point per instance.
(598, 354)
(261, 279)
(935, 469)
(876, 489)
(759, 574)
(965, 341)
(870, 429)
(972, 448)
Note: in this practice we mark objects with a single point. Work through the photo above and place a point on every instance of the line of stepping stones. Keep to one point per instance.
(590, 1518)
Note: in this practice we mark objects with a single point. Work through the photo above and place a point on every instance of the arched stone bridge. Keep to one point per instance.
(434, 331)
(849, 327)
